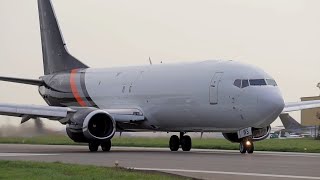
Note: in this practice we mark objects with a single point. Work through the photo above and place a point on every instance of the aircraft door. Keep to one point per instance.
(214, 88)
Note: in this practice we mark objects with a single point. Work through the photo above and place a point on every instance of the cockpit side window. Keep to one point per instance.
(271, 82)
(237, 83)
(257, 82)
(245, 83)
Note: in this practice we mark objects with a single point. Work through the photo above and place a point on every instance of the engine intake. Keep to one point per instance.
(91, 124)
(98, 125)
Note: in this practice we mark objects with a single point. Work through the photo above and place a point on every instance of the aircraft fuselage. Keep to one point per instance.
(200, 96)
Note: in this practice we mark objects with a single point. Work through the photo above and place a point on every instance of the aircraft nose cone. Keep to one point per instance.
(271, 105)
(272, 101)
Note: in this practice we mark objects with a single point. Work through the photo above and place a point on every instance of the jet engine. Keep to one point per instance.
(258, 134)
(91, 124)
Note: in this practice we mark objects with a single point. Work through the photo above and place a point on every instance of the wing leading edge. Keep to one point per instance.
(296, 106)
(63, 114)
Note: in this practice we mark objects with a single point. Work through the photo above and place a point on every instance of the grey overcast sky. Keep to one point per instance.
(280, 36)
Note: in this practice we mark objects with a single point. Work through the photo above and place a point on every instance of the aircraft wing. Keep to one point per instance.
(129, 115)
(63, 114)
(35, 111)
(296, 106)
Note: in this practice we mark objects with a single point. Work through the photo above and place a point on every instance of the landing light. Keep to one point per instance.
(248, 143)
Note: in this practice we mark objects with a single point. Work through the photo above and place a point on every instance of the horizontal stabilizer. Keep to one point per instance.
(36, 82)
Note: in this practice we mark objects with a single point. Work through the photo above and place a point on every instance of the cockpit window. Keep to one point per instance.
(257, 82)
(242, 83)
(271, 82)
(245, 83)
(237, 83)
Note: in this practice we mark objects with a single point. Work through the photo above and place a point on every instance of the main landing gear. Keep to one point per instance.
(246, 145)
(184, 141)
(105, 146)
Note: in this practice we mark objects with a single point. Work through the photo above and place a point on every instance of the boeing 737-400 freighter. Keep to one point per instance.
(239, 100)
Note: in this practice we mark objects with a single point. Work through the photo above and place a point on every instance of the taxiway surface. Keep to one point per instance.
(198, 163)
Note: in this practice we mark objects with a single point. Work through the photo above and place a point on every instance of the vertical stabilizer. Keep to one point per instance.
(289, 123)
(55, 55)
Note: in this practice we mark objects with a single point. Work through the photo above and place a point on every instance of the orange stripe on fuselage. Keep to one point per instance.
(74, 88)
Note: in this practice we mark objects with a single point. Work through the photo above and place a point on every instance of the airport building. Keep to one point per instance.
(311, 117)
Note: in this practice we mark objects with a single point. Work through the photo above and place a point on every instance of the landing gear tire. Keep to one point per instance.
(242, 148)
(106, 146)
(174, 143)
(93, 146)
(250, 149)
(186, 143)
(246, 146)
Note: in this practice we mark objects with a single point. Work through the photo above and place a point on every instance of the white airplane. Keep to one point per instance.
(239, 100)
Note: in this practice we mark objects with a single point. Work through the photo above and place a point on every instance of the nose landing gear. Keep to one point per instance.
(184, 141)
(246, 145)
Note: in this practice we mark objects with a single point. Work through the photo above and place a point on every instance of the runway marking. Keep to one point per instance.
(267, 154)
(290, 155)
(227, 173)
(213, 151)
(24, 154)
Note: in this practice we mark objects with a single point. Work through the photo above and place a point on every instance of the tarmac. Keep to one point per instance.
(198, 163)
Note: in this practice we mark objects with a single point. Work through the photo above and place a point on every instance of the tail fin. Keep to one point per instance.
(289, 123)
(55, 55)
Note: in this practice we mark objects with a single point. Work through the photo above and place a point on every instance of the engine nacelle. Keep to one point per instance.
(258, 134)
(91, 125)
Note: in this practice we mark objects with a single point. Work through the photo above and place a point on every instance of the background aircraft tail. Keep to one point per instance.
(289, 123)
(55, 55)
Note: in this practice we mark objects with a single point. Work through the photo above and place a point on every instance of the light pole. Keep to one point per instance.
(318, 133)
(318, 85)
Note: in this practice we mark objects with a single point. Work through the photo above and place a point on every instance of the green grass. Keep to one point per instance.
(284, 145)
(37, 170)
